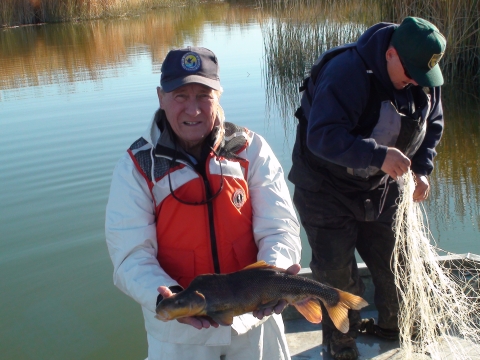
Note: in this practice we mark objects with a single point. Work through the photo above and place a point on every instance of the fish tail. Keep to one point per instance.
(339, 312)
(353, 302)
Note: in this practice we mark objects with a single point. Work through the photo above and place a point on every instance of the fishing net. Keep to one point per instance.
(439, 314)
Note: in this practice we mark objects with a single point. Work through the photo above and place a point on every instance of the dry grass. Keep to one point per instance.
(22, 12)
(297, 33)
(301, 30)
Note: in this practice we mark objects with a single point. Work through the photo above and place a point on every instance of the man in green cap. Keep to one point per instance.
(370, 111)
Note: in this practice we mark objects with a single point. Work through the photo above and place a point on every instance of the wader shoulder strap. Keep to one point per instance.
(320, 62)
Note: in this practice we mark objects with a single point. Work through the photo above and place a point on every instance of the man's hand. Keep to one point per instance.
(282, 304)
(396, 163)
(198, 322)
(422, 188)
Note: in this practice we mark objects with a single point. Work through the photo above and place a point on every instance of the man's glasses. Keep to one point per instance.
(405, 69)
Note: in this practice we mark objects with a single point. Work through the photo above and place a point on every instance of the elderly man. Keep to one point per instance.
(370, 111)
(199, 195)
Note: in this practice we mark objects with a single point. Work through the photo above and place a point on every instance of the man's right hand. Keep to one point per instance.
(198, 322)
(396, 163)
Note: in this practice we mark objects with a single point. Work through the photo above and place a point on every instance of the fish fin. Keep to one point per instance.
(262, 265)
(352, 301)
(258, 264)
(339, 316)
(200, 298)
(339, 312)
(310, 309)
(224, 318)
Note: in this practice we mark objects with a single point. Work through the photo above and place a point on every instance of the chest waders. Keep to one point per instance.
(344, 210)
(381, 120)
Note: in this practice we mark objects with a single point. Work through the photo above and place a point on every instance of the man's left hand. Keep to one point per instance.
(282, 304)
(422, 188)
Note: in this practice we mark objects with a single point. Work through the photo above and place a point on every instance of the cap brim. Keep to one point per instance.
(431, 78)
(168, 86)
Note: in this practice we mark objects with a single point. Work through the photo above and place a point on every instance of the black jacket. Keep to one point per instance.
(341, 95)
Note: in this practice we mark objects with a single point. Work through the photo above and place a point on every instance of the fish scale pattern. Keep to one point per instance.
(268, 284)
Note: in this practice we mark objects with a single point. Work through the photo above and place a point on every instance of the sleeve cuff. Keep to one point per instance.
(379, 155)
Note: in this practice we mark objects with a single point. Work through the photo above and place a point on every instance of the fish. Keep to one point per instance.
(258, 286)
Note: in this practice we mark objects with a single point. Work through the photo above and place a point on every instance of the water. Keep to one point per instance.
(73, 97)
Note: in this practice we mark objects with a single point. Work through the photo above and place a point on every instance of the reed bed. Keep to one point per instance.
(301, 30)
(296, 34)
(22, 12)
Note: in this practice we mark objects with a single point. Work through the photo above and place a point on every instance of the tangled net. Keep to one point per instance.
(439, 315)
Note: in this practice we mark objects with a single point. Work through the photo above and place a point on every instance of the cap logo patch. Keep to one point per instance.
(191, 61)
(239, 198)
(434, 60)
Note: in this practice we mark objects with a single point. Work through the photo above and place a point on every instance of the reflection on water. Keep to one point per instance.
(72, 99)
(92, 50)
(455, 183)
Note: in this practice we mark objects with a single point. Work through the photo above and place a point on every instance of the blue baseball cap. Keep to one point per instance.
(190, 65)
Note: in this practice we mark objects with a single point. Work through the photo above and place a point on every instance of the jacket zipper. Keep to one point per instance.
(211, 222)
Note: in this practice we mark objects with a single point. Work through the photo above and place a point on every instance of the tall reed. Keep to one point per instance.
(298, 32)
(21, 12)
(16, 12)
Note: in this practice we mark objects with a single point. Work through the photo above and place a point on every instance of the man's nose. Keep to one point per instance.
(413, 82)
(192, 107)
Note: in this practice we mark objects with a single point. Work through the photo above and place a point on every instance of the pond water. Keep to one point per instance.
(73, 97)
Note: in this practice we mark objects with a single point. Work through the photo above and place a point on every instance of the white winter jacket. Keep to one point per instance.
(131, 238)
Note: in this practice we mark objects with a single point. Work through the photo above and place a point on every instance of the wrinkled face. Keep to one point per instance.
(181, 305)
(396, 71)
(191, 111)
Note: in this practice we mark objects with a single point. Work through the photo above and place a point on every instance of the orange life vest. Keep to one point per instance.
(215, 237)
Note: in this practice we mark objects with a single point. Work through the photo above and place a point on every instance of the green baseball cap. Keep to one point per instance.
(420, 46)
